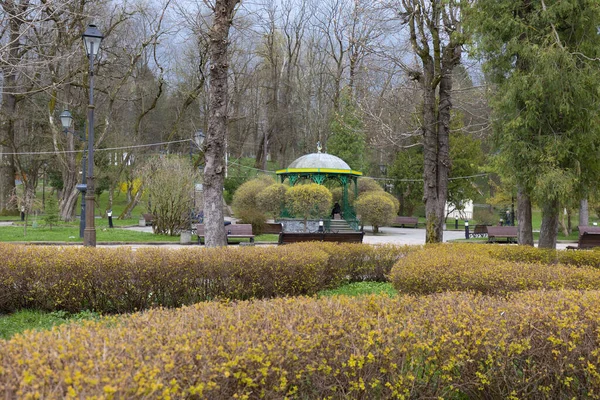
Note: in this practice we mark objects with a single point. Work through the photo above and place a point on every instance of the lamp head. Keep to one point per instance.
(66, 119)
(92, 37)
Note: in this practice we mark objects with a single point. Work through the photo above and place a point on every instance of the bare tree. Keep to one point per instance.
(222, 18)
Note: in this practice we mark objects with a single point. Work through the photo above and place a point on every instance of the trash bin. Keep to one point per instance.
(186, 237)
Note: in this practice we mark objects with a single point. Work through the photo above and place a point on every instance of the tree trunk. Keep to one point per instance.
(525, 227)
(584, 214)
(549, 229)
(217, 124)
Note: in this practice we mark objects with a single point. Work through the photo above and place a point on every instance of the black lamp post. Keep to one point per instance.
(92, 37)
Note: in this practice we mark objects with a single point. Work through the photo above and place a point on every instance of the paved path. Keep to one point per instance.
(386, 235)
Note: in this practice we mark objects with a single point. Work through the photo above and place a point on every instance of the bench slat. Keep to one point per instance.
(507, 232)
(587, 240)
(400, 220)
(295, 237)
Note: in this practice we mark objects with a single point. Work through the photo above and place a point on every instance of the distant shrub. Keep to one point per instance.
(376, 208)
(309, 201)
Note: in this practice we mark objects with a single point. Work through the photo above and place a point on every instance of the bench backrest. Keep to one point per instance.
(345, 237)
(199, 229)
(406, 220)
(148, 217)
(239, 229)
(587, 240)
(480, 229)
(588, 228)
(271, 227)
(505, 231)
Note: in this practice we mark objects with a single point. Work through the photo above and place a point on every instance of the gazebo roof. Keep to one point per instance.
(319, 163)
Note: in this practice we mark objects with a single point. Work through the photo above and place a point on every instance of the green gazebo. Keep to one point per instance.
(320, 167)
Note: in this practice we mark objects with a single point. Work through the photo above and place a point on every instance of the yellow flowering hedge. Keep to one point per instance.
(542, 344)
(122, 280)
(494, 269)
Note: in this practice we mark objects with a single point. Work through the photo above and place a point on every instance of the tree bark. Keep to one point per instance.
(584, 214)
(525, 227)
(217, 124)
(549, 229)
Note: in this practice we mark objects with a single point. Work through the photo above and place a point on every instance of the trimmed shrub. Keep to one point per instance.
(376, 208)
(487, 269)
(455, 345)
(121, 280)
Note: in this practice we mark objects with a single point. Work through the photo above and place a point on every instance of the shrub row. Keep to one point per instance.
(492, 269)
(454, 345)
(122, 280)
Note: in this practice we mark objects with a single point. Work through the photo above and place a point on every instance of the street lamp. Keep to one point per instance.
(92, 37)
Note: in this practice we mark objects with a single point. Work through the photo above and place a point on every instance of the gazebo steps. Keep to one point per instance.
(340, 225)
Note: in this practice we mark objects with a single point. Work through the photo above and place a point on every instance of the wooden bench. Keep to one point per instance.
(588, 228)
(273, 228)
(498, 232)
(233, 231)
(479, 231)
(406, 221)
(345, 237)
(148, 219)
(587, 240)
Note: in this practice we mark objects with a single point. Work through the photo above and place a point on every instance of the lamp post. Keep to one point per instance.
(92, 37)
(45, 165)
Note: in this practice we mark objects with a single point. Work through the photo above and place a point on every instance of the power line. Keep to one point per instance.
(96, 150)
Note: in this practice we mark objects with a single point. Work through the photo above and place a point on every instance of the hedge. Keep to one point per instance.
(122, 280)
(493, 269)
(453, 345)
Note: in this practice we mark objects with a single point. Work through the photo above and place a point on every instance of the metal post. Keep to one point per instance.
(456, 222)
(466, 229)
(44, 190)
(83, 192)
(89, 236)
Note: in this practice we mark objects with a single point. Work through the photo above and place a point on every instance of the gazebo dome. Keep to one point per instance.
(319, 160)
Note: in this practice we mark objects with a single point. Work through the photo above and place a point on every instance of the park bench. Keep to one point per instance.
(147, 220)
(272, 227)
(588, 228)
(344, 237)
(587, 240)
(400, 220)
(233, 231)
(502, 232)
(479, 231)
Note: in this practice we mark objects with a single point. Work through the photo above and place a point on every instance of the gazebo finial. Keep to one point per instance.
(319, 148)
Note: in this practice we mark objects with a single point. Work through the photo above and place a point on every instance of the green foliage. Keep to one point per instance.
(466, 157)
(407, 171)
(169, 182)
(376, 208)
(272, 199)
(542, 58)
(348, 139)
(51, 214)
(308, 201)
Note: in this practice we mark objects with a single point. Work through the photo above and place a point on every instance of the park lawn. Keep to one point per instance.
(71, 234)
(360, 289)
(24, 320)
(20, 321)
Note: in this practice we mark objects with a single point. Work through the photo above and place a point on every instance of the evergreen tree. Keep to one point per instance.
(542, 57)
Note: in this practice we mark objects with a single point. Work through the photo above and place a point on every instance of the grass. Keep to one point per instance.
(71, 234)
(360, 289)
(24, 320)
